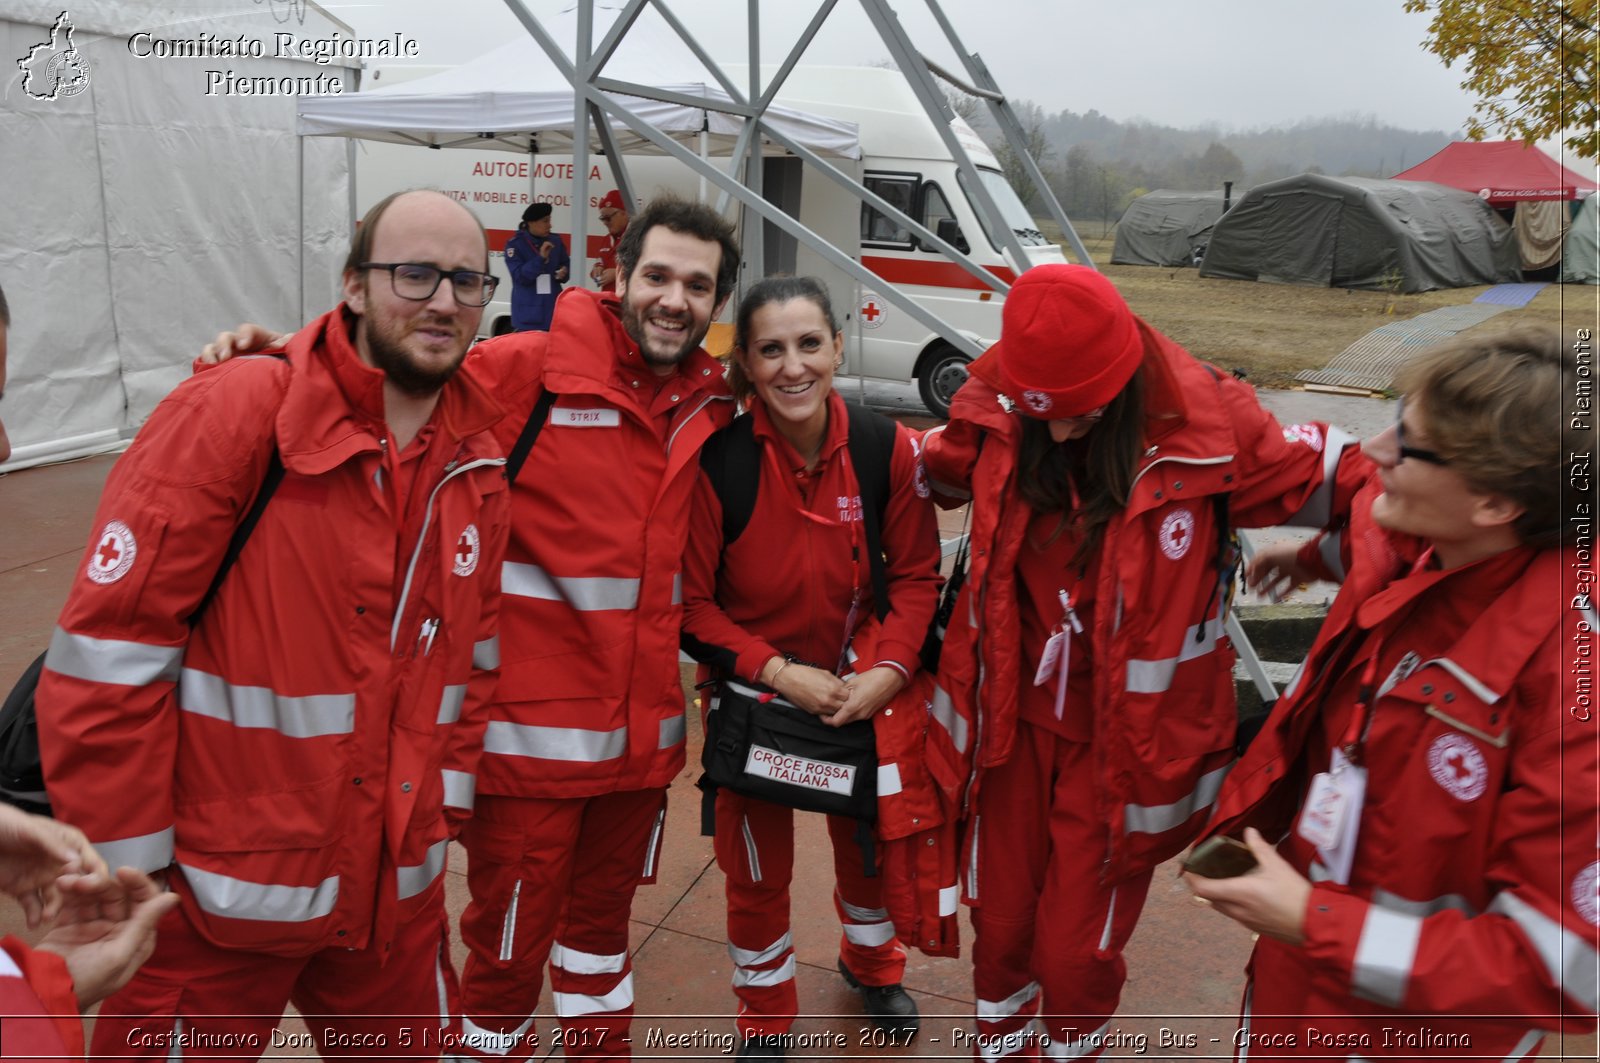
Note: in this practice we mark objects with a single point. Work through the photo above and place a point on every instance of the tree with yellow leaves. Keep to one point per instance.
(1530, 62)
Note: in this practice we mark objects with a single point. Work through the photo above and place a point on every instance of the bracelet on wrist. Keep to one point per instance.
(787, 661)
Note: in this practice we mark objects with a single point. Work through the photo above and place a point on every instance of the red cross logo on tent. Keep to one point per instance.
(1586, 893)
(1458, 766)
(114, 554)
(872, 312)
(466, 555)
(1177, 533)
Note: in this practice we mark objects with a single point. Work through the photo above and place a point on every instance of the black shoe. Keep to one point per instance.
(765, 1046)
(889, 1007)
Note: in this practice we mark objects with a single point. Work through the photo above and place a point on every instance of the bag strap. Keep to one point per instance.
(529, 434)
(241, 533)
(731, 459)
(871, 445)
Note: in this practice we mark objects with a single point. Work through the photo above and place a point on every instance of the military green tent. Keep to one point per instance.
(1580, 258)
(1166, 228)
(1358, 232)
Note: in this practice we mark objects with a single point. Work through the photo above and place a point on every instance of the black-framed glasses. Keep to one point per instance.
(1430, 456)
(418, 281)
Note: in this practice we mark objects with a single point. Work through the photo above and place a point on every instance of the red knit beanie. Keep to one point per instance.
(1068, 343)
(612, 199)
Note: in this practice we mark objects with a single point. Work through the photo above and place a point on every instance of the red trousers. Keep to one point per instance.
(755, 849)
(193, 1000)
(1048, 936)
(553, 879)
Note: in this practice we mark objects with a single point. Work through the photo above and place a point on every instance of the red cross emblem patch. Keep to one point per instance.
(113, 554)
(1458, 765)
(872, 312)
(466, 552)
(1177, 533)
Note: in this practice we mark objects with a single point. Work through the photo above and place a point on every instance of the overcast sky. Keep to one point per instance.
(1238, 64)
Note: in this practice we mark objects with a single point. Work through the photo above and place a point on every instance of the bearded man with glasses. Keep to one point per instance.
(284, 762)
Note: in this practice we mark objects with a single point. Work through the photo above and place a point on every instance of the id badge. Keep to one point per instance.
(1049, 659)
(1332, 815)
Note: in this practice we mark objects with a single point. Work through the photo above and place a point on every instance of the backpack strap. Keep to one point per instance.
(871, 445)
(241, 534)
(530, 432)
(731, 459)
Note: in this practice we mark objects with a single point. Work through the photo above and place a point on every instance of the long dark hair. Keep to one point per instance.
(1098, 468)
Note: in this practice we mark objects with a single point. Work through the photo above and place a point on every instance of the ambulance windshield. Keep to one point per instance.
(1011, 209)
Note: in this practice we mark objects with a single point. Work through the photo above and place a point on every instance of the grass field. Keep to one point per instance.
(1273, 331)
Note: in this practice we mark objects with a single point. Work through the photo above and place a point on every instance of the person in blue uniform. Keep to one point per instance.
(538, 264)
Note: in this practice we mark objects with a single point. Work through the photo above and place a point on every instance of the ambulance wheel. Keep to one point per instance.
(940, 374)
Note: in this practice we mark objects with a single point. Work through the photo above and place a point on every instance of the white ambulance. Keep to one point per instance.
(904, 160)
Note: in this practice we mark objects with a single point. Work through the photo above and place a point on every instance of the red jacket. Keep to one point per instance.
(785, 586)
(1474, 883)
(1164, 711)
(590, 700)
(295, 752)
(39, 1016)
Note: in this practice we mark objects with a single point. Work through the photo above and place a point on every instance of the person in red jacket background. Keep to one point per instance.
(1086, 664)
(291, 765)
(777, 606)
(1421, 803)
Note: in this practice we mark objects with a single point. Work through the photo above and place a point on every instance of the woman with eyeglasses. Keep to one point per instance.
(1421, 804)
(1106, 467)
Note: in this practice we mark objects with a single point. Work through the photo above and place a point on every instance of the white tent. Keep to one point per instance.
(513, 99)
(142, 214)
(1580, 260)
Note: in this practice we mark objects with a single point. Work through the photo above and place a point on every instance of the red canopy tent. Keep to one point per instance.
(1503, 172)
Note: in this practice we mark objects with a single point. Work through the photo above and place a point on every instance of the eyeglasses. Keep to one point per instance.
(1429, 456)
(416, 281)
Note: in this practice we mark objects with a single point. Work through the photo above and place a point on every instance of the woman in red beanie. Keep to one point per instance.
(1105, 466)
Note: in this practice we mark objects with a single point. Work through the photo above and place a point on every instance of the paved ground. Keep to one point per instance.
(1185, 962)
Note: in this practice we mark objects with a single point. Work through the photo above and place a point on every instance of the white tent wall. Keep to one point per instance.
(142, 214)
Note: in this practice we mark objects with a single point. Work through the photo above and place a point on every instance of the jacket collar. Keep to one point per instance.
(334, 405)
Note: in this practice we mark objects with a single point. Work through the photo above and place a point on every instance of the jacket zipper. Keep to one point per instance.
(452, 470)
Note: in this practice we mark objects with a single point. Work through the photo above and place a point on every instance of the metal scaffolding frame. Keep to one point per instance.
(599, 99)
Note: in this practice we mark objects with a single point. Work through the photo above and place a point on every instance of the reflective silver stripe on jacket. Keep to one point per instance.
(414, 878)
(235, 898)
(1468, 680)
(1154, 819)
(1079, 1045)
(867, 927)
(1328, 550)
(131, 664)
(949, 900)
(1155, 676)
(575, 961)
(460, 788)
(995, 1010)
(888, 779)
(488, 1041)
(509, 739)
(944, 711)
(677, 588)
(584, 593)
(574, 1005)
(1317, 509)
(757, 957)
(450, 702)
(745, 976)
(147, 852)
(1450, 902)
(1385, 955)
(1570, 961)
(486, 653)
(672, 732)
(261, 708)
